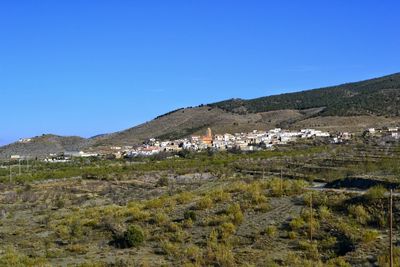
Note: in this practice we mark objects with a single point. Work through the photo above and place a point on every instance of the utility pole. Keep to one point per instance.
(311, 217)
(281, 185)
(19, 166)
(10, 173)
(391, 228)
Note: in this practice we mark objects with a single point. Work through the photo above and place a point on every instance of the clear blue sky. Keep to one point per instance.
(75, 67)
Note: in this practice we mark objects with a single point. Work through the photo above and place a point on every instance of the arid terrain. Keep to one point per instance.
(222, 209)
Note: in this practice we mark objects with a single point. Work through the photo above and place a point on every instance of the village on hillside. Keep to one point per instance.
(250, 141)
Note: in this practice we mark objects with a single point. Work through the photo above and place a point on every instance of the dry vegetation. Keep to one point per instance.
(202, 210)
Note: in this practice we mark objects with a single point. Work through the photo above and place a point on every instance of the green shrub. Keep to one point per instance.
(184, 197)
(204, 203)
(235, 213)
(375, 193)
(75, 229)
(170, 248)
(136, 213)
(219, 195)
(226, 230)
(324, 212)
(193, 253)
(173, 227)
(297, 223)
(328, 243)
(292, 235)
(134, 236)
(218, 254)
(311, 249)
(188, 223)
(262, 207)
(155, 203)
(359, 213)
(190, 214)
(271, 231)
(369, 236)
(160, 218)
(217, 219)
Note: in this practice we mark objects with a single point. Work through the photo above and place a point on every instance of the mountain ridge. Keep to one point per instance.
(355, 96)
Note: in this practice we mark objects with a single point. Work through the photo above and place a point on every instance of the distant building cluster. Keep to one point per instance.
(392, 132)
(255, 140)
(251, 141)
(24, 140)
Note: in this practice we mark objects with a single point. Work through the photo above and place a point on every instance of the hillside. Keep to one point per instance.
(380, 96)
(185, 122)
(348, 107)
(44, 145)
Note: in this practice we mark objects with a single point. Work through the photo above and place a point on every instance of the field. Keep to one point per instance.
(204, 209)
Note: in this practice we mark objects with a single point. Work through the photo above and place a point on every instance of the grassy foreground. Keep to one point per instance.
(210, 209)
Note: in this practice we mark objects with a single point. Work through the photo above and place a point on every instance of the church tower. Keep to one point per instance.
(208, 139)
(209, 133)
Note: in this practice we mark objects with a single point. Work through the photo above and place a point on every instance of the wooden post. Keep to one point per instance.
(311, 217)
(281, 185)
(391, 228)
(10, 173)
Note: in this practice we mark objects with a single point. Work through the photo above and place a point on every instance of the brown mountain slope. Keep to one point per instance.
(195, 121)
(44, 145)
(186, 122)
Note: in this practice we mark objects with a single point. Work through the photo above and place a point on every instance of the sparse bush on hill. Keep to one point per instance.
(184, 197)
(324, 212)
(375, 193)
(190, 214)
(235, 213)
(359, 213)
(271, 231)
(134, 236)
(369, 236)
(220, 195)
(226, 230)
(311, 249)
(297, 223)
(204, 203)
